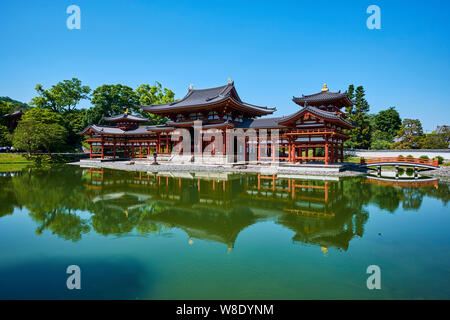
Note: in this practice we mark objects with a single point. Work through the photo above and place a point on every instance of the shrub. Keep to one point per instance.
(440, 159)
(409, 156)
(424, 157)
(400, 156)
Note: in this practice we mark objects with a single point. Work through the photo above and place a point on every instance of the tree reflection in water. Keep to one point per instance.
(216, 208)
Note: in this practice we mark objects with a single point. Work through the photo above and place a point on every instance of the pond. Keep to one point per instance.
(180, 235)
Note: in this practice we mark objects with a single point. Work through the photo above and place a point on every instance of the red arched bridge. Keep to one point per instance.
(400, 161)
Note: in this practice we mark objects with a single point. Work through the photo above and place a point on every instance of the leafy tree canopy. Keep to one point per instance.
(34, 136)
(44, 116)
(154, 95)
(14, 104)
(388, 121)
(5, 139)
(62, 97)
(109, 100)
(410, 135)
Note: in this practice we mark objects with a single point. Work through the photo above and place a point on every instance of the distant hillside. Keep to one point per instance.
(17, 105)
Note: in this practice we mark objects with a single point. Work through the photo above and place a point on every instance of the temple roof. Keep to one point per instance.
(200, 98)
(318, 112)
(115, 130)
(262, 123)
(324, 97)
(127, 117)
(14, 114)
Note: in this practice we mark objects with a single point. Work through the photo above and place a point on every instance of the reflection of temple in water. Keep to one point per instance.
(219, 206)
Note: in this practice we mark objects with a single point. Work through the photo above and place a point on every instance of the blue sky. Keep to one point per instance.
(273, 50)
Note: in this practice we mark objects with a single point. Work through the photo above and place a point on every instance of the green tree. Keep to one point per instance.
(109, 100)
(380, 140)
(14, 104)
(74, 124)
(5, 108)
(40, 129)
(388, 121)
(33, 136)
(5, 139)
(358, 116)
(410, 135)
(437, 140)
(155, 94)
(62, 97)
(44, 116)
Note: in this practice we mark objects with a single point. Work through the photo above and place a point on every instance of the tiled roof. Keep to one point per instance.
(15, 113)
(116, 131)
(318, 112)
(203, 97)
(442, 129)
(324, 98)
(262, 123)
(126, 116)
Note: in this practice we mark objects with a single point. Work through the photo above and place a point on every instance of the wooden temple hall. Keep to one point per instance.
(314, 133)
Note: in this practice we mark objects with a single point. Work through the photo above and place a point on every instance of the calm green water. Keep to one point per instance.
(139, 236)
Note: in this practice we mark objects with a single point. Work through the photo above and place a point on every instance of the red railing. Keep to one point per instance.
(409, 160)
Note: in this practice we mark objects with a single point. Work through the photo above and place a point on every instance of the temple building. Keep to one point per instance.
(315, 133)
(12, 119)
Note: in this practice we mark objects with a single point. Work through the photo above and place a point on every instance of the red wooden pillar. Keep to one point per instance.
(159, 142)
(90, 151)
(342, 151)
(167, 142)
(140, 151)
(289, 151)
(102, 149)
(326, 150)
(294, 153)
(114, 149)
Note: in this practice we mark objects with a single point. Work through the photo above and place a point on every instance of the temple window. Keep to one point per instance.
(213, 115)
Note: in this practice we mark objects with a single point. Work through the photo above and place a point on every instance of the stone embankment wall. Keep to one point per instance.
(416, 153)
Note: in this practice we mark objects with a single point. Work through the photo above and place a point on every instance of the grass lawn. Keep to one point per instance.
(13, 162)
(353, 160)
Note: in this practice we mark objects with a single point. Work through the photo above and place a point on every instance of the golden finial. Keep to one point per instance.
(126, 111)
(191, 86)
(325, 88)
(229, 80)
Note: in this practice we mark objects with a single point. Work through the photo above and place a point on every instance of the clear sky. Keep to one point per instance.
(273, 50)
